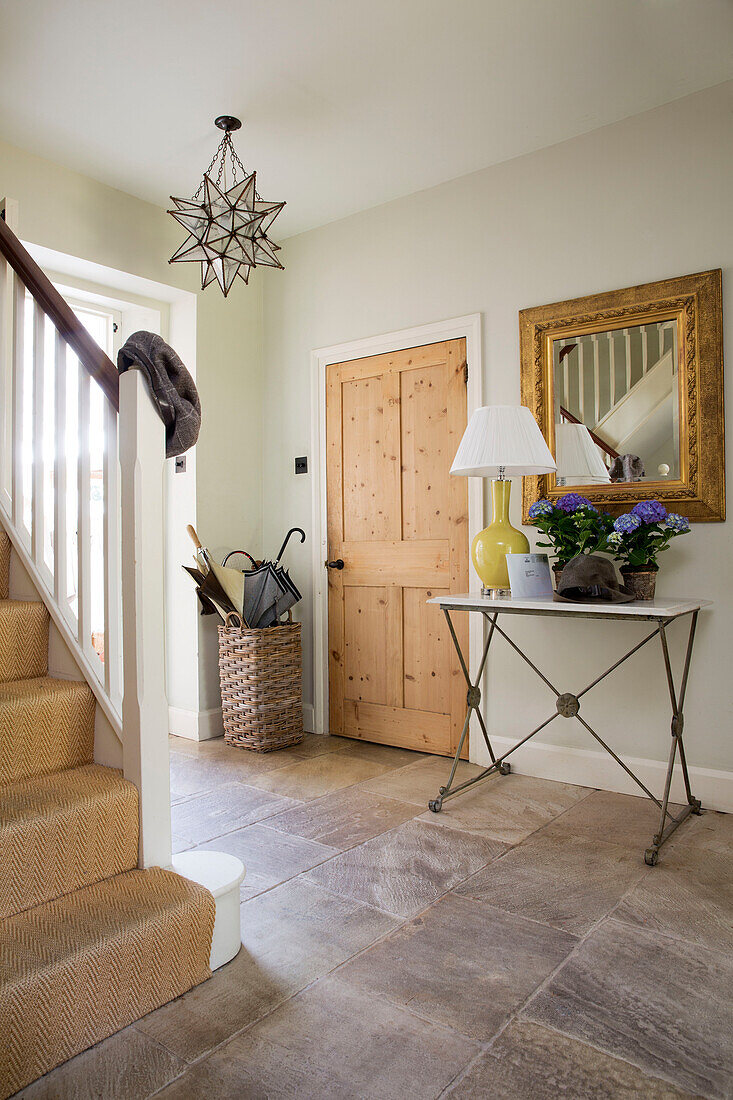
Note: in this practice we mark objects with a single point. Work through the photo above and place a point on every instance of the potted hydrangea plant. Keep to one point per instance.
(637, 540)
(571, 526)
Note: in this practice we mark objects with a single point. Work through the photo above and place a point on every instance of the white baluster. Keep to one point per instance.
(84, 526)
(60, 532)
(38, 530)
(627, 349)
(612, 364)
(6, 385)
(112, 606)
(144, 706)
(581, 378)
(644, 350)
(19, 380)
(596, 381)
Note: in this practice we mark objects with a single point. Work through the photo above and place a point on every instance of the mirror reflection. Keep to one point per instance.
(617, 405)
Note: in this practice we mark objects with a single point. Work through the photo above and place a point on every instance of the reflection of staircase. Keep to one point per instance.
(620, 384)
(88, 943)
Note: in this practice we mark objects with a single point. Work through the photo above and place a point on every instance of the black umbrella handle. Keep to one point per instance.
(292, 531)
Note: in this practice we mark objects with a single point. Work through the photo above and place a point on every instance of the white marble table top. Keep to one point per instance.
(659, 608)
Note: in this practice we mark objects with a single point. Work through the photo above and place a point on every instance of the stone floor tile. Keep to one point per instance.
(419, 781)
(194, 775)
(689, 894)
(508, 807)
(461, 964)
(127, 1066)
(408, 868)
(269, 857)
(314, 744)
(558, 878)
(318, 775)
(333, 1043)
(229, 807)
(528, 1062)
(291, 936)
(617, 818)
(649, 999)
(382, 754)
(345, 818)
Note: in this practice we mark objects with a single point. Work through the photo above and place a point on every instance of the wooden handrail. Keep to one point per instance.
(596, 438)
(90, 355)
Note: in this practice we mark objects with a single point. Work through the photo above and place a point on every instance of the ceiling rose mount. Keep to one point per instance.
(227, 219)
(228, 123)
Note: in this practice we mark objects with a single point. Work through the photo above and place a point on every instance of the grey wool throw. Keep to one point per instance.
(173, 388)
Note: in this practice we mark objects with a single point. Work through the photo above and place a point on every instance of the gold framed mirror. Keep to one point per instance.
(627, 388)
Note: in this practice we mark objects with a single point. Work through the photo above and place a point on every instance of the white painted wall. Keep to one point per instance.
(644, 199)
(77, 216)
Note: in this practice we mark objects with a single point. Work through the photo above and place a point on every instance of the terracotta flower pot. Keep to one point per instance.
(641, 580)
(557, 568)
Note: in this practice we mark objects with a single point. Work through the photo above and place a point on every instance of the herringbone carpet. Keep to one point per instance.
(88, 943)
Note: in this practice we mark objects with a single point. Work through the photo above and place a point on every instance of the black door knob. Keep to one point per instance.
(338, 564)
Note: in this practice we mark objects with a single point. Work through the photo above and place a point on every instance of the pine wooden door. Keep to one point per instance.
(399, 522)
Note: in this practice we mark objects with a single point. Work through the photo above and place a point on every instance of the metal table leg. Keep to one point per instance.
(473, 703)
(567, 705)
(694, 806)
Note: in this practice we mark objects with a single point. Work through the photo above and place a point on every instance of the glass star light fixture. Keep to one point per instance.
(227, 220)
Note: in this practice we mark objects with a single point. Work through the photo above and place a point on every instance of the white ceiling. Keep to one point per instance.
(346, 105)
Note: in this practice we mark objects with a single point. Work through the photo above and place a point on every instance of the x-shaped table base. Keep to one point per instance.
(567, 705)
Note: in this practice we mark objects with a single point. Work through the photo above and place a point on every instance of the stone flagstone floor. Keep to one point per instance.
(515, 946)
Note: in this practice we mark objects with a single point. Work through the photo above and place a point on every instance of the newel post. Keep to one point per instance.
(144, 704)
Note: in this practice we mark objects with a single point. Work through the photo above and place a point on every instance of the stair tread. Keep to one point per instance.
(46, 725)
(40, 686)
(4, 565)
(23, 639)
(81, 967)
(64, 831)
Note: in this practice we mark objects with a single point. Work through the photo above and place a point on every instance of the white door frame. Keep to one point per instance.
(468, 327)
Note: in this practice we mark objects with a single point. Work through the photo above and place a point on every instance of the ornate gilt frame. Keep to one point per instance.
(696, 302)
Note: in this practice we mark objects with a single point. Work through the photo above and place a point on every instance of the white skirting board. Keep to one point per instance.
(195, 725)
(308, 718)
(589, 768)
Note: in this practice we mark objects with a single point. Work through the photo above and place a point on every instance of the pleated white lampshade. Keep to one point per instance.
(579, 460)
(502, 438)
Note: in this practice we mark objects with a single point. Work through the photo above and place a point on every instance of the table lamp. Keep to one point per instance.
(501, 442)
(579, 460)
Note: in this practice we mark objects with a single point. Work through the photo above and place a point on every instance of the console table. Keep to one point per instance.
(660, 612)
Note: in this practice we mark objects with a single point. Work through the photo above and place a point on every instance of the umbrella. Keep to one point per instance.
(279, 593)
(230, 581)
(260, 596)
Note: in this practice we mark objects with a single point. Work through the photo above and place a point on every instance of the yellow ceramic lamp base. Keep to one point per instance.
(490, 546)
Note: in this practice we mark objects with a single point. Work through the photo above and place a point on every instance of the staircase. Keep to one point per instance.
(88, 943)
(621, 384)
(96, 929)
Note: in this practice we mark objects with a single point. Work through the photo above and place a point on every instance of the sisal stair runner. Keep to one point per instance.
(88, 943)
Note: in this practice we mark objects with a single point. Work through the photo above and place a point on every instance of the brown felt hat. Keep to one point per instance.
(590, 578)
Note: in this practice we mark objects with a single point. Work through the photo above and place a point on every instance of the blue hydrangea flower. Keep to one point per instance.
(571, 502)
(540, 508)
(677, 523)
(627, 523)
(650, 511)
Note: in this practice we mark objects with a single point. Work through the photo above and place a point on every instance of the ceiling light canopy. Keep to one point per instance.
(227, 219)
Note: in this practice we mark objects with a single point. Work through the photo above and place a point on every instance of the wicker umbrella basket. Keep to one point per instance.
(260, 672)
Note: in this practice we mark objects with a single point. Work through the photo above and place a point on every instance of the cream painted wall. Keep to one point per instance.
(78, 216)
(644, 199)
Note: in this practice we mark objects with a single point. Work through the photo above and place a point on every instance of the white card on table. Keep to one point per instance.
(529, 576)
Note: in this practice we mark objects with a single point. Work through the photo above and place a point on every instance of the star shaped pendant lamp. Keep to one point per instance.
(227, 225)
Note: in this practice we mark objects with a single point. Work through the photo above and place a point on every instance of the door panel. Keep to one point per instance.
(427, 655)
(373, 645)
(425, 459)
(400, 523)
